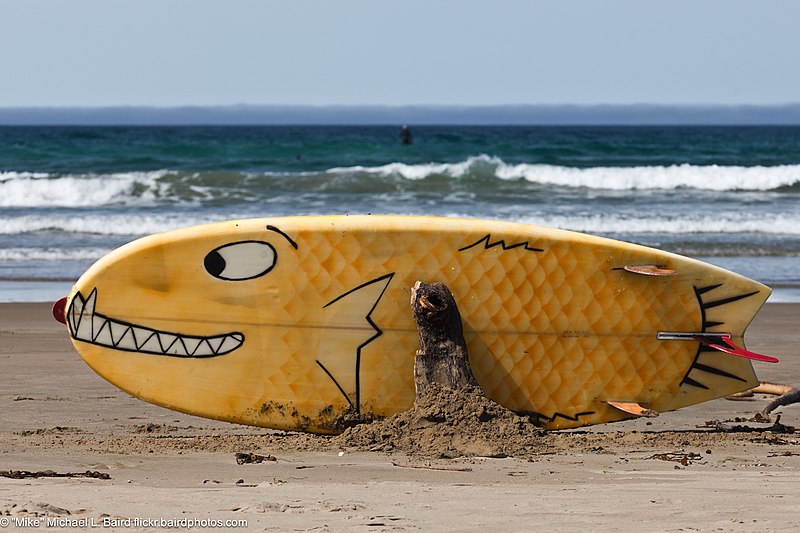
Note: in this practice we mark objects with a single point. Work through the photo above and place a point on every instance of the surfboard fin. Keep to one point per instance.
(725, 344)
(650, 270)
(633, 408)
(716, 341)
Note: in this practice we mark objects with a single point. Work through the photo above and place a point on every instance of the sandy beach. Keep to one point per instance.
(151, 469)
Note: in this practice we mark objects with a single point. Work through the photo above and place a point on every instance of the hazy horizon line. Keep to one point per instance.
(511, 114)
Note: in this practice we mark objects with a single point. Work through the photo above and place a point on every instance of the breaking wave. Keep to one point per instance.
(708, 177)
(477, 174)
(22, 189)
(101, 224)
(778, 224)
(617, 223)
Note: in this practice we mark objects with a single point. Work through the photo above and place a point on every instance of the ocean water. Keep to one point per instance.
(726, 195)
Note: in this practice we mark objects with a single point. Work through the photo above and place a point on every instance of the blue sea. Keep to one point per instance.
(726, 195)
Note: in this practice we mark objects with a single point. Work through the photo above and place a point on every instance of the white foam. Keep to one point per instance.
(51, 254)
(21, 189)
(704, 177)
(103, 224)
(778, 224)
(711, 177)
(423, 170)
(9, 175)
(620, 222)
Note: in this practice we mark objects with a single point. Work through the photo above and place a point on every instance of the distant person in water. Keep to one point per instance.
(405, 135)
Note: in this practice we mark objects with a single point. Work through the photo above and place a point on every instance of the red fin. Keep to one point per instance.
(724, 344)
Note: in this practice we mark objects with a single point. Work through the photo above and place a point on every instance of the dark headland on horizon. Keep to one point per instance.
(523, 115)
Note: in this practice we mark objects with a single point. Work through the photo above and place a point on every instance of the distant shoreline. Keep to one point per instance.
(500, 115)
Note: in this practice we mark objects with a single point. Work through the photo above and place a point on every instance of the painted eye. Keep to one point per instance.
(241, 260)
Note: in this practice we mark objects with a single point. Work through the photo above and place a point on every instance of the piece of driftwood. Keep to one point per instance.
(430, 467)
(243, 458)
(442, 357)
(727, 426)
(787, 397)
(25, 474)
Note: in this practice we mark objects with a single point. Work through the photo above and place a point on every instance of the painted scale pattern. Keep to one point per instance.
(554, 325)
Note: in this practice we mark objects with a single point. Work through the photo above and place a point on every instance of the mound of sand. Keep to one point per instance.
(447, 423)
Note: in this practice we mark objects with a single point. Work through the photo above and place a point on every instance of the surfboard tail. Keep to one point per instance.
(721, 365)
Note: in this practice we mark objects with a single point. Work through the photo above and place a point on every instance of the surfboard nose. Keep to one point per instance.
(60, 310)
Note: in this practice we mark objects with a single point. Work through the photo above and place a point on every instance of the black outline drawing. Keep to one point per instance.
(378, 333)
(335, 383)
(488, 244)
(282, 234)
(74, 326)
(216, 251)
(706, 323)
(550, 419)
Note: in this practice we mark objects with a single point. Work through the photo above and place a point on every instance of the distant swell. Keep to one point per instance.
(51, 254)
(619, 223)
(98, 224)
(721, 223)
(478, 175)
(710, 177)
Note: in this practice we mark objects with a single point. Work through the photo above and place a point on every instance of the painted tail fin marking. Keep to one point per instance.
(706, 306)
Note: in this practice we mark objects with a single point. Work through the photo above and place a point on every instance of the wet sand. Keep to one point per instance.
(662, 474)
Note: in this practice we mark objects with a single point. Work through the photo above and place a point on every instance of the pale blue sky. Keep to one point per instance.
(409, 52)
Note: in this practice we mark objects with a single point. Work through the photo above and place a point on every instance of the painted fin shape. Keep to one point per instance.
(724, 344)
(650, 270)
(634, 408)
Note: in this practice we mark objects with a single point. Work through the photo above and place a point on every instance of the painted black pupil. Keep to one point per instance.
(214, 263)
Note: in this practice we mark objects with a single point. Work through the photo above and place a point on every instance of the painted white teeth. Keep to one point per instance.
(118, 333)
(88, 307)
(230, 343)
(191, 344)
(151, 345)
(89, 326)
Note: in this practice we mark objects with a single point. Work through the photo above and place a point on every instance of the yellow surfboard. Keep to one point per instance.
(289, 322)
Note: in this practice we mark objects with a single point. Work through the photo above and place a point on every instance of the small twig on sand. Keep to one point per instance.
(429, 467)
(783, 454)
(764, 387)
(787, 398)
(727, 427)
(250, 458)
(25, 474)
(787, 395)
(678, 457)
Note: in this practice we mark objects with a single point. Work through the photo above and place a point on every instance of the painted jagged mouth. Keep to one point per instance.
(85, 324)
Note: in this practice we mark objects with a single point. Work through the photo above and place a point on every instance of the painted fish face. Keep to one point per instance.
(224, 308)
(238, 261)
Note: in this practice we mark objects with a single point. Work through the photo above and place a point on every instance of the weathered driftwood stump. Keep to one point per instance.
(442, 357)
(451, 415)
